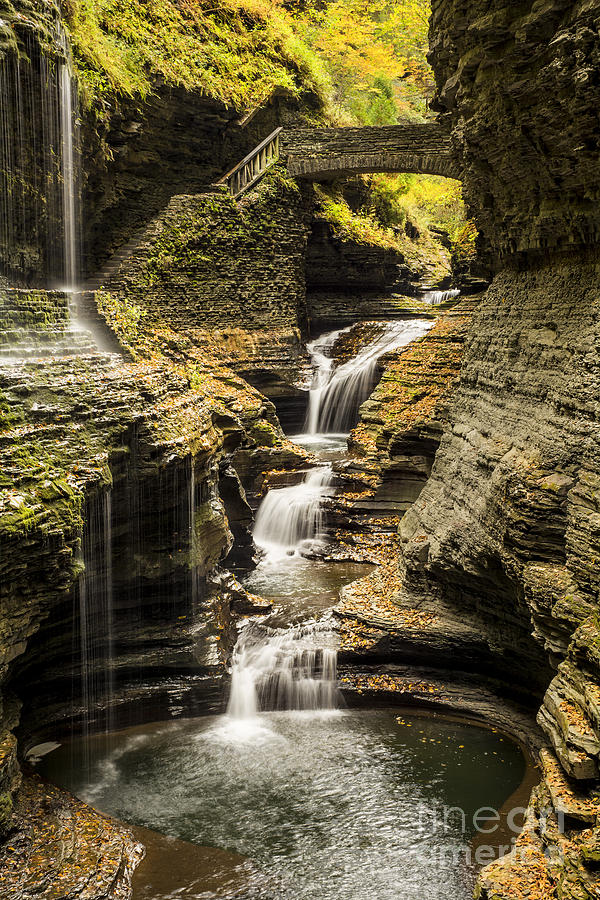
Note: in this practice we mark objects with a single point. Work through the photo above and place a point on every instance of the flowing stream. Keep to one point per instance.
(290, 518)
(294, 668)
(289, 795)
(291, 669)
(337, 392)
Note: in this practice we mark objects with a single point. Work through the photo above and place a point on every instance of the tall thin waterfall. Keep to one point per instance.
(39, 231)
(337, 393)
(69, 180)
(96, 615)
(295, 669)
(192, 549)
(290, 517)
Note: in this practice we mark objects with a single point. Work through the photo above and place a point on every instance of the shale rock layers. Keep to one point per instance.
(506, 528)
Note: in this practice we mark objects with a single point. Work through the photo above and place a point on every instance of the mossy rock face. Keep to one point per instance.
(264, 434)
(209, 262)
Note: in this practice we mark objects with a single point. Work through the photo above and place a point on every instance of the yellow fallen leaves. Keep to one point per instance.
(393, 683)
(371, 598)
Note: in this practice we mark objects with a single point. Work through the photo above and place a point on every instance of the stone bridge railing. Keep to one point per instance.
(320, 154)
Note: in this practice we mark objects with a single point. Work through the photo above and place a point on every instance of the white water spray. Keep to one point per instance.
(435, 298)
(290, 518)
(337, 393)
(295, 669)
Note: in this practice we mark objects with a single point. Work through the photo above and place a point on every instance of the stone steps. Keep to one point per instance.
(113, 265)
(46, 335)
(33, 309)
(37, 324)
(72, 344)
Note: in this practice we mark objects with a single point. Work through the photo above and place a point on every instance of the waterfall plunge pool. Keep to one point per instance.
(353, 805)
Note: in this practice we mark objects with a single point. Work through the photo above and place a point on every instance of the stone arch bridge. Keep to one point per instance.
(322, 154)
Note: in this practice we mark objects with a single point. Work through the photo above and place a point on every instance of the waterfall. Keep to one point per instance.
(291, 517)
(435, 298)
(322, 363)
(39, 230)
(96, 614)
(295, 669)
(337, 393)
(69, 189)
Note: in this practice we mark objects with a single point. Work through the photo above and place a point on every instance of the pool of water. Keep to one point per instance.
(353, 805)
(325, 446)
(301, 588)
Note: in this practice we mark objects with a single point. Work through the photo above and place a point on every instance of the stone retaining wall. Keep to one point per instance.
(207, 261)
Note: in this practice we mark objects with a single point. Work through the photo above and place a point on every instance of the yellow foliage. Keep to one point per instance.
(236, 50)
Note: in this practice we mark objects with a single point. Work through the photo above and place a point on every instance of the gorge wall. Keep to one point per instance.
(506, 526)
(119, 500)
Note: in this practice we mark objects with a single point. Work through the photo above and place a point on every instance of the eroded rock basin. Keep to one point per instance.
(352, 805)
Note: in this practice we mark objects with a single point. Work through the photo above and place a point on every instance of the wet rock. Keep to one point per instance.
(59, 848)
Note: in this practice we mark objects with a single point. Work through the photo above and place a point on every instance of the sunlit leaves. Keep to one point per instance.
(376, 54)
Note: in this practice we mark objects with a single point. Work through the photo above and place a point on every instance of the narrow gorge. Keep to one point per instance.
(299, 499)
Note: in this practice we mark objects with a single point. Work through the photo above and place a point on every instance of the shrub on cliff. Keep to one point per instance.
(237, 51)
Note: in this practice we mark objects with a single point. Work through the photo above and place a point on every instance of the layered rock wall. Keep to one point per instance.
(518, 86)
(209, 262)
(506, 527)
(337, 266)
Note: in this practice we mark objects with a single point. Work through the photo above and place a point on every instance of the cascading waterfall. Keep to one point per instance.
(337, 393)
(289, 518)
(323, 363)
(295, 669)
(435, 298)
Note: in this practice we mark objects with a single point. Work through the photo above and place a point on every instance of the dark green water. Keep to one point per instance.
(344, 806)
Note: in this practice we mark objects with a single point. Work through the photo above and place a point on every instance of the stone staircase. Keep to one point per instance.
(112, 266)
(36, 324)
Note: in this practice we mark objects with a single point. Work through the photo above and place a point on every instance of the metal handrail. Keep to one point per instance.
(252, 168)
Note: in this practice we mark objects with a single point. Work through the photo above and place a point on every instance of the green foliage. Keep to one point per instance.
(364, 59)
(238, 51)
(362, 227)
(122, 315)
(375, 54)
(464, 249)
(375, 106)
(424, 200)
